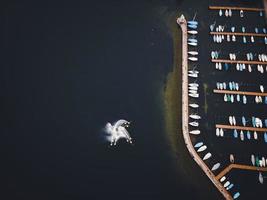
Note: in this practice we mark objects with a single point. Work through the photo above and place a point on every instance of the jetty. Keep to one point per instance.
(181, 21)
(243, 128)
(239, 34)
(240, 167)
(235, 8)
(240, 92)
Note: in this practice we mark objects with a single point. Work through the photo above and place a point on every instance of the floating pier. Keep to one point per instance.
(245, 128)
(239, 166)
(251, 62)
(235, 8)
(240, 92)
(239, 34)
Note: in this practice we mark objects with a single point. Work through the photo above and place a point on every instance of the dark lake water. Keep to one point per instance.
(69, 68)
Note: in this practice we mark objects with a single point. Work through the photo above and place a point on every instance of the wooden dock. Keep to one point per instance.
(241, 167)
(240, 92)
(248, 62)
(245, 128)
(181, 21)
(235, 8)
(238, 34)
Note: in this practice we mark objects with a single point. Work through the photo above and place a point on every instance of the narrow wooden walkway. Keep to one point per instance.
(251, 62)
(239, 34)
(239, 166)
(240, 92)
(235, 8)
(245, 128)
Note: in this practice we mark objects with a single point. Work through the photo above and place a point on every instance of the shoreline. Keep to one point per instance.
(181, 21)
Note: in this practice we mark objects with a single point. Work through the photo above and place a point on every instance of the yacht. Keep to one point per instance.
(193, 58)
(253, 159)
(193, 53)
(207, 156)
(194, 116)
(215, 167)
(194, 123)
(193, 105)
(192, 32)
(195, 132)
(193, 95)
(203, 148)
(199, 144)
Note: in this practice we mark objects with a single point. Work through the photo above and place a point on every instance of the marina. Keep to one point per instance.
(202, 104)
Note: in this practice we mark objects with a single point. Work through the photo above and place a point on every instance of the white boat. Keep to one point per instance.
(242, 135)
(193, 75)
(193, 53)
(207, 156)
(263, 162)
(203, 148)
(232, 98)
(222, 179)
(194, 123)
(220, 13)
(193, 105)
(192, 91)
(193, 85)
(194, 116)
(226, 184)
(225, 97)
(221, 132)
(261, 88)
(192, 44)
(199, 144)
(193, 88)
(260, 163)
(217, 132)
(260, 178)
(253, 159)
(193, 72)
(193, 95)
(255, 135)
(244, 99)
(193, 32)
(230, 118)
(224, 86)
(234, 121)
(192, 58)
(249, 68)
(195, 132)
(232, 158)
(215, 167)
(237, 194)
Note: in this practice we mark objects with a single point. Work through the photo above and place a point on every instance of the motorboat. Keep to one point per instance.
(193, 72)
(226, 184)
(244, 121)
(236, 86)
(193, 105)
(199, 144)
(249, 68)
(221, 132)
(223, 179)
(236, 195)
(230, 85)
(233, 29)
(217, 132)
(224, 86)
(192, 44)
(255, 135)
(193, 95)
(207, 156)
(193, 53)
(193, 85)
(194, 116)
(194, 123)
(248, 135)
(192, 32)
(193, 58)
(253, 160)
(242, 135)
(232, 158)
(202, 148)
(218, 85)
(195, 132)
(260, 178)
(235, 133)
(215, 167)
(253, 121)
(230, 118)
(230, 186)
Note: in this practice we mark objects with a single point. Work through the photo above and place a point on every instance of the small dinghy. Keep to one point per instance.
(215, 167)
(203, 148)
(199, 144)
(207, 156)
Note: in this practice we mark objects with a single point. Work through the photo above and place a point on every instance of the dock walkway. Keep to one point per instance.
(181, 21)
